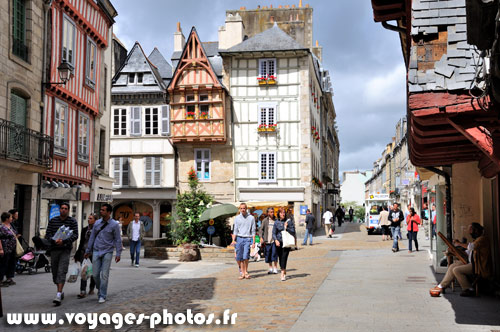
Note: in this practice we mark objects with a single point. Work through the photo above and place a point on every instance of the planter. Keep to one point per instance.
(189, 117)
(271, 82)
(271, 129)
(262, 82)
(190, 253)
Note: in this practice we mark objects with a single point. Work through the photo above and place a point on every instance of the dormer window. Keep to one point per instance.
(190, 98)
(267, 68)
(135, 78)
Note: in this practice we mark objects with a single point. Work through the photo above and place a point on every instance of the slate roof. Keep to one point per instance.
(164, 68)
(212, 52)
(273, 39)
(455, 70)
(137, 62)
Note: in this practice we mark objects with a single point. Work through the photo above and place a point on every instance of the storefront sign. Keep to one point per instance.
(104, 197)
(54, 211)
(303, 209)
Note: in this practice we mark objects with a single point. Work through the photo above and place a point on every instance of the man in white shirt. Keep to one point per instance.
(327, 221)
(135, 233)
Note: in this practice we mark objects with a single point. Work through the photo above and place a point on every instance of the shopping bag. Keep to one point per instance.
(288, 239)
(86, 269)
(74, 272)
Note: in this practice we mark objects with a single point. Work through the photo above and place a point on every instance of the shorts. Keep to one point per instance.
(243, 248)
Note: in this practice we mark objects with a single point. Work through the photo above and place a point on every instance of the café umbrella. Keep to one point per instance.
(217, 211)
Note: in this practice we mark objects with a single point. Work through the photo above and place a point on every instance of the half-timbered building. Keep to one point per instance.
(142, 157)
(199, 116)
(78, 33)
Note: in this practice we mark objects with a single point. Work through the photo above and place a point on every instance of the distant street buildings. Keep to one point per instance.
(353, 186)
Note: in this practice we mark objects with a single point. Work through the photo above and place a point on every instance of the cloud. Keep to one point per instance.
(388, 89)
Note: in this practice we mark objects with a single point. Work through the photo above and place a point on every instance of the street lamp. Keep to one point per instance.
(65, 71)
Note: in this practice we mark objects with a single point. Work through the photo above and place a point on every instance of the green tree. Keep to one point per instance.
(190, 206)
(359, 210)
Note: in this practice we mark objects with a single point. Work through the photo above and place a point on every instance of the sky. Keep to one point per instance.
(364, 59)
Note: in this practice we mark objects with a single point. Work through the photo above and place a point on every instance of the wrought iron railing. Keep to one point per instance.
(25, 145)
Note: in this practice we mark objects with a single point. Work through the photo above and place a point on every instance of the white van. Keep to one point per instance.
(373, 206)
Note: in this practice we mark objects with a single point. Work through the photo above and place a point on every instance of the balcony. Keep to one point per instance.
(24, 145)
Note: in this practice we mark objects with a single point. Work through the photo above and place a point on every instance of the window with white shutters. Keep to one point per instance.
(121, 172)
(120, 121)
(135, 121)
(68, 41)
(202, 164)
(153, 171)
(267, 67)
(60, 128)
(151, 121)
(267, 114)
(165, 120)
(267, 166)
(83, 137)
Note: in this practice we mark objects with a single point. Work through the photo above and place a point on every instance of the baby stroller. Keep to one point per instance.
(33, 258)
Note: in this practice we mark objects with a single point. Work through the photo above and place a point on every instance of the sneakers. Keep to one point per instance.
(394, 250)
(136, 265)
(270, 271)
(132, 263)
(275, 271)
(102, 300)
(58, 299)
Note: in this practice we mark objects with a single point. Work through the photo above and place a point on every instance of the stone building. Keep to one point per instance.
(25, 151)
(142, 157)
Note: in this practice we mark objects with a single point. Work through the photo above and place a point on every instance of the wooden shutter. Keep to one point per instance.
(165, 120)
(157, 171)
(117, 171)
(149, 171)
(18, 109)
(135, 121)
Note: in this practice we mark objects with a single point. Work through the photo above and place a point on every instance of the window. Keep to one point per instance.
(189, 98)
(139, 78)
(68, 41)
(203, 97)
(83, 137)
(204, 111)
(120, 121)
(131, 78)
(90, 70)
(60, 128)
(267, 166)
(121, 172)
(19, 47)
(135, 121)
(267, 67)
(153, 171)
(102, 148)
(190, 111)
(165, 120)
(151, 121)
(18, 109)
(202, 164)
(267, 114)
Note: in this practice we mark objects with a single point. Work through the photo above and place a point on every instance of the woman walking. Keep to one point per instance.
(281, 224)
(413, 220)
(8, 238)
(84, 241)
(266, 238)
(384, 222)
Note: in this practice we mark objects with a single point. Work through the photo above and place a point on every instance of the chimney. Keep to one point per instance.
(232, 33)
(179, 39)
(300, 3)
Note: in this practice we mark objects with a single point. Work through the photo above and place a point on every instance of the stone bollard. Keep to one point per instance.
(190, 253)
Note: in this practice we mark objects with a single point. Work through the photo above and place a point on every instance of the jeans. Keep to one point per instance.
(412, 236)
(309, 233)
(270, 252)
(100, 268)
(243, 248)
(135, 250)
(396, 232)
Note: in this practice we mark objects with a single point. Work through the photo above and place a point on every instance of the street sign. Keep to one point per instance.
(54, 211)
(303, 209)
(211, 222)
(210, 230)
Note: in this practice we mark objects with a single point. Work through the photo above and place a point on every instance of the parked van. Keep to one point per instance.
(373, 206)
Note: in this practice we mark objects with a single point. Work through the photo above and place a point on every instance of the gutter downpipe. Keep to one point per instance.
(448, 199)
(393, 27)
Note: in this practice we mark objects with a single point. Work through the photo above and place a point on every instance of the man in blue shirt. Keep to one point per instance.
(243, 238)
(104, 238)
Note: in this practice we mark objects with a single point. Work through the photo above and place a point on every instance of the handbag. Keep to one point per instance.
(288, 239)
(19, 247)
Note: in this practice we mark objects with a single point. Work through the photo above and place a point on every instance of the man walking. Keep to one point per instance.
(327, 221)
(135, 233)
(104, 238)
(339, 214)
(396, 216)
(310, 222)
(243, 238)
(60, 250)
(351, 213)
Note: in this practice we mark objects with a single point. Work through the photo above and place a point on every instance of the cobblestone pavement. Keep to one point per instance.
(263, 302)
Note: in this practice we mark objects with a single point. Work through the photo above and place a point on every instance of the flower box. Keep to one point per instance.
(271, 82)
(271, 127)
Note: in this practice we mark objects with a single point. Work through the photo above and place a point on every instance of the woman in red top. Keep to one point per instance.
(412, 220)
